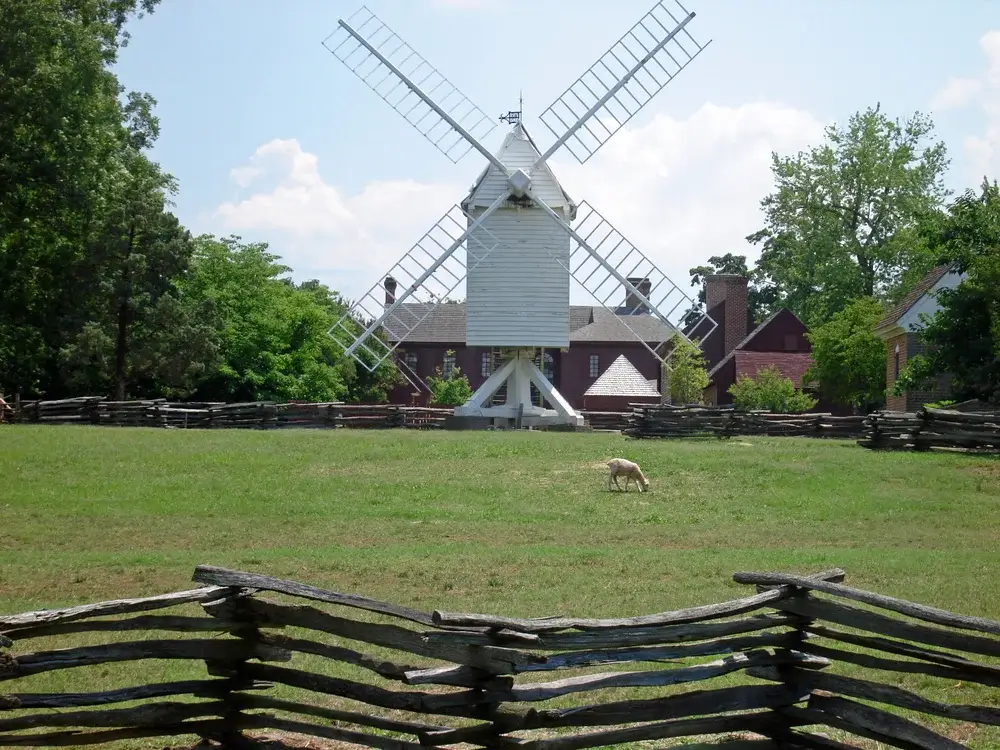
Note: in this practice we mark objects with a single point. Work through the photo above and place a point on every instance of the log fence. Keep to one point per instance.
(814, 669)
(259, 415)
(932, 428)
(665, 421)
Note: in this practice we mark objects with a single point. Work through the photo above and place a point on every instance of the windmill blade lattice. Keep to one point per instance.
(406, 81)
(603, 261)
(622, 81)
(431, 270)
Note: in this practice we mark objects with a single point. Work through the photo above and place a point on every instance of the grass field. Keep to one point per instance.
(515, 523)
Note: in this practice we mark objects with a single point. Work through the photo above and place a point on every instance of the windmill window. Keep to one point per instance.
(595, 365)
(411, 360)
(486, 364)
(449, 365)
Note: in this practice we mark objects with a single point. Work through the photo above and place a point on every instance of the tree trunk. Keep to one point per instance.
(124, 316)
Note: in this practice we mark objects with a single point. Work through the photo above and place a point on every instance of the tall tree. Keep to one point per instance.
(840, 223)
(59, 124)
(962, 339)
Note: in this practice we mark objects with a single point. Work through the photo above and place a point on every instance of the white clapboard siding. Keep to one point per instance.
(519, 294)
(517, 152)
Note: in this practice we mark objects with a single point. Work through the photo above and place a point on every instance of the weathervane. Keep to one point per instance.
(513, 117)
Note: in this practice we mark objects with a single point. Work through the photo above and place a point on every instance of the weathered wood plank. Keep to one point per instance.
(224, 577)
(142, 622)
(575, 659)
(898, 665)
(805, 716)
(650, 678)
(149, 715)
(599, 639)
(676, 617)
(691, 703)
(267, 613)
(875, 622)
(901, 606)
(883, 722)
(198, 688)
(45, 661)
(117, 607)
(902, 649)
(762, 722)
(263, 702)
(75, 738)
(449, 704)
(873, 691)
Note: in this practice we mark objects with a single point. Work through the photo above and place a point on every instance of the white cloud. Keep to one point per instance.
(680, 189)
(982, 151)
(958, 92)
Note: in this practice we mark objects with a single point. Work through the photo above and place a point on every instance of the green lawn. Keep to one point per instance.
(515, 523)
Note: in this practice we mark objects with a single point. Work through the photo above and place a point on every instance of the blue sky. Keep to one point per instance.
(344, 186)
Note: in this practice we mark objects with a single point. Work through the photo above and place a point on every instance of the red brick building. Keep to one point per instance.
(898, 329)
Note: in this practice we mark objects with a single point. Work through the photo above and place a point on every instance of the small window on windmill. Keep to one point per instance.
(449, 365)
(486, 365)
(595, 365)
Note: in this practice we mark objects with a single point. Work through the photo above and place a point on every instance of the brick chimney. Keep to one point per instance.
(732, 289)
(390, 290)
(632, 303)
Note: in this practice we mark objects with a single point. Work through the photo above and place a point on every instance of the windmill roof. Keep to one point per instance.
(622, 379)
(445, 323)
(518, 132)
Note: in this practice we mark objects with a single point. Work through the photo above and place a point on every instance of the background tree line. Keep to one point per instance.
(851, 226)
(102, 290)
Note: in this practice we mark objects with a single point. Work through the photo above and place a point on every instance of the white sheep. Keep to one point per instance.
(629, 470)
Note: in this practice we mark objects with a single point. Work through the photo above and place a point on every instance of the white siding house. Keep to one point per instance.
(518, 295)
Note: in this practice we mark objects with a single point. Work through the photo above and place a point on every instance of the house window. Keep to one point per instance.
(595, 365)
(895, 366)
(791, 342)
(411, 361)
(486, 365)
(449, 365)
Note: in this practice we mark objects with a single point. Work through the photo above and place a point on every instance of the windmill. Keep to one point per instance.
(517, 238)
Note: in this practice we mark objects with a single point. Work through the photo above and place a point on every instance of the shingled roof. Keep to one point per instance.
(764, 324)
(792, 365)
(445, 324)
(622, 379)
(910, 298)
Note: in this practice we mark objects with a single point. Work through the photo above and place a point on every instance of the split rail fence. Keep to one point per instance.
(661, 421)
(95, 410)
(356, 670)
(932, 428)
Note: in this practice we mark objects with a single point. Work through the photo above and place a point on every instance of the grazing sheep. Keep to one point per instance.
(629, 470)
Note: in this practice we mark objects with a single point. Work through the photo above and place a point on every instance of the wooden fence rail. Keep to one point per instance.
(382, 675)
(660, 421)
(96, 410)
(932, 428)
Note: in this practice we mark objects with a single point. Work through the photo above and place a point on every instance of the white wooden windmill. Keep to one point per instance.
(517, 238)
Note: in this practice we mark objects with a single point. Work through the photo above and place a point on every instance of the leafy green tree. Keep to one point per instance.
(60, 123)
(453, 390)
(962, 339)
(685, 372)
(841, 222)
(848, 358)
(769, 391)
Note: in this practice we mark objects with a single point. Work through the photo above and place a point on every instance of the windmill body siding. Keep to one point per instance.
(518, 293)
(518, 154)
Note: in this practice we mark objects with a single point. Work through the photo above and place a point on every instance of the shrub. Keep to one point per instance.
(769, 391)
(451, 391)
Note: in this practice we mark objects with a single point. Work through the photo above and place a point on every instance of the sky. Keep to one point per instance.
(273, 139)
